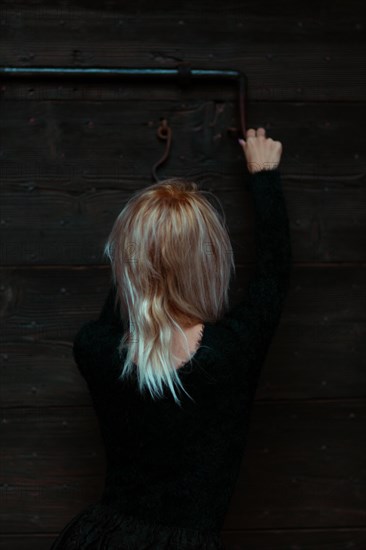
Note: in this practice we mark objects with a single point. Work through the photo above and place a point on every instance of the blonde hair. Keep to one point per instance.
(171, 260)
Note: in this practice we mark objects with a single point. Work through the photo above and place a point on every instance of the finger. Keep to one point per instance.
(250, 132)
(261, 131)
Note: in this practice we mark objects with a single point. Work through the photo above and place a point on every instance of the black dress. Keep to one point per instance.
(171, 471)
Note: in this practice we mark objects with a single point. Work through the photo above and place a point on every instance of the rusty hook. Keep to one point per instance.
(163, 132)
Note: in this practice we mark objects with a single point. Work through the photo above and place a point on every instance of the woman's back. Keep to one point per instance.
(171, 470)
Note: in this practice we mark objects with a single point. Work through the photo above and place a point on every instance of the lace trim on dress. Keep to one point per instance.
(102, 527)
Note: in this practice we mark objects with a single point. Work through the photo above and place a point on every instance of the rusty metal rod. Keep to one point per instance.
(183, 73)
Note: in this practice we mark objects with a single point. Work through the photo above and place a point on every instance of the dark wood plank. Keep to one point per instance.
(296, 539)
(79, 226)
(64, 184)
(308, 52)
(26, 542)
(304, 466)
(298, 456)
(317, 352)
(305, 362)
(111, 137)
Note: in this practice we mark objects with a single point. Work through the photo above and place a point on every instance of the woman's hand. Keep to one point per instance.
(261, 153)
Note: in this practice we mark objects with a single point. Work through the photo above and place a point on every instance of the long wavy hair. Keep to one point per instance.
(172, 262)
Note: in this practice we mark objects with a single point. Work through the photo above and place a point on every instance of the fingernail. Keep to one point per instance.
(241, 141)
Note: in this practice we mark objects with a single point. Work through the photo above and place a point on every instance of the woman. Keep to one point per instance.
(173, 460)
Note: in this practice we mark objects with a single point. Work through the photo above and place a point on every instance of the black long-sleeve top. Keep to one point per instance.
(178, 465)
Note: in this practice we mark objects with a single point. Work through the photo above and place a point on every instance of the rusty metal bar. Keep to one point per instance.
(183, 73)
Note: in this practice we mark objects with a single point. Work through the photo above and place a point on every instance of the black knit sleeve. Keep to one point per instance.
(260, 309)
